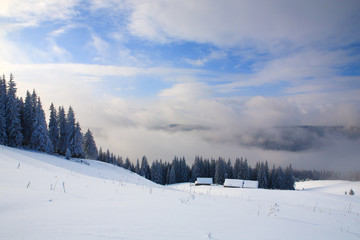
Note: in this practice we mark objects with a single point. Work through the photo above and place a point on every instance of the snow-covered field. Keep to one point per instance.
(48, 197)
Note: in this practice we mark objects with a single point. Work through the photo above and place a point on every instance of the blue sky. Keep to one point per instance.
(130, 67)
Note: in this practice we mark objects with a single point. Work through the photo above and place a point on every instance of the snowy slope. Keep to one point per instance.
(48, 197)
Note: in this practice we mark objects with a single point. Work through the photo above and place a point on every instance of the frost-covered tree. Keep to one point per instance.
(54, 129)
(244, 169)
(90, 148)
(289, 180)
(68, 154)
(40, 140)
(100, 155)
(3, 136)
(62, 131)
(137, 167)
(145, 168)
(172, 175)
(29, 116)
(184, 171)
(13, 123)
(70, 131)
(127, 164)
(78, 147)
(197, 168)
(262, 176)
(157, 174)
(220, 171)
(229, 170)
(279, 184)
(236, 169)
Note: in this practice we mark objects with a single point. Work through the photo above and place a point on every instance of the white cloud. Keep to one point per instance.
(101, 47)
(255, 23)
(33, 11)
(214, 55)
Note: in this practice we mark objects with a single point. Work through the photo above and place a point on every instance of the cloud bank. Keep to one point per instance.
(269, 80)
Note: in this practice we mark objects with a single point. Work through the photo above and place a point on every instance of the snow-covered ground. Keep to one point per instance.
(48, 197)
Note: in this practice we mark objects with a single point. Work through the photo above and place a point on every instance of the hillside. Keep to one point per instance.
(48, 197)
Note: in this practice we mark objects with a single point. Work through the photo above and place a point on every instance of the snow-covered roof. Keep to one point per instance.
(207, 181)
(250, 184)
(234, 183)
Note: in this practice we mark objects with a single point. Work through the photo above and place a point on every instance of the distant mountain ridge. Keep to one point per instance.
(299, 138)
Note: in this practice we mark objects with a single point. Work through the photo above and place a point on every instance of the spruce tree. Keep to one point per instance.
(13, 124)
(29, 118)
(137, 167)
(281, 179)
(40, 140)
(289, 180)
(3, 136)
(54, 129)
(262, 176)
(78, 142)
(70, 131)
(220, 171)
(127, 164)
(62, 131)
(236, 169)
(90, 148)
(100, 155)
(145, 168)
(197, 168)
(229, 170)
(157, 174)
(244, 169)
(172, 175)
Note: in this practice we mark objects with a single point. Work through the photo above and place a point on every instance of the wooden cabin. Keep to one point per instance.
(234, 183)
(203, 181)
(250, 184)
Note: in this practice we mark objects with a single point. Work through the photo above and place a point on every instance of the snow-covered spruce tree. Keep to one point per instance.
(274, 182)
(127, 164)
(145, 168)
(90, 148)
(236, 169)
(281, 178)
(68, 154)
(29, 116)
(62, 131)
(20, 103)
(79, 142)
(197, 168)
(262, 178)
(289, 179)
(220, 171)
(229, 170)
(54, 129)
(184, 171)
(157, 175)
(40, 140)
(137, 167)
(3, 136)
(175, 171)
(70, 131)
(13, 124)
(107, 156)
(100, 155)
(244, 169)
(172, 175)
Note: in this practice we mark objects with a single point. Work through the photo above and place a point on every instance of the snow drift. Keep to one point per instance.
(48, 197)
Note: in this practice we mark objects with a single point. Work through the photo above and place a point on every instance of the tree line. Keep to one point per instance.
(178, 171)
(23, 124)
